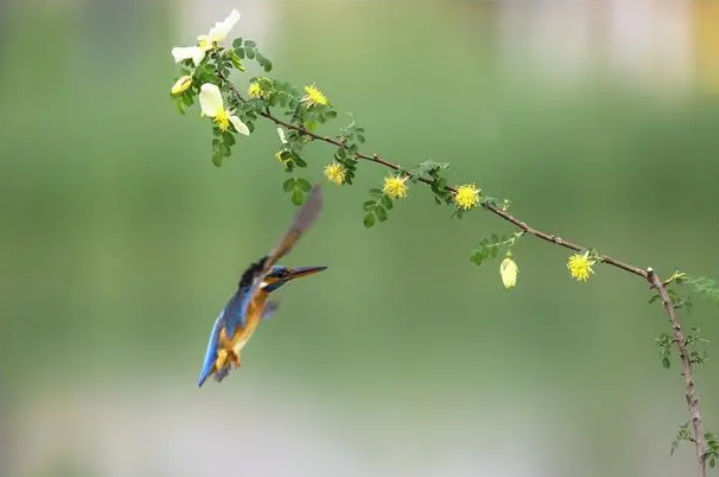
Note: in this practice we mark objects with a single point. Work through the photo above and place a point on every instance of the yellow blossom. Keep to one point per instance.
(466, 196)
(212, 105)
(206, 42)
(256, 91)
(182, 85)
(508, 270)
(283, 156)
(395, 187)
(580, 266)
(313, 96)
(335, 172)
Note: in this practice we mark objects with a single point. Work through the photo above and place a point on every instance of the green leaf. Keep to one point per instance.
(240, 53)
(298, 197)
(299, 161)
(180, 105)
(666, 363)
(331, 114)
(369, 220)
(376, 192)
(217, 157)
(369, 205)
(236, 62)
(381, 213)
(237, 42)
(229, 138)
(704, 286)
(289, 185)
(386, 202)
(250, 52)
(303, 185)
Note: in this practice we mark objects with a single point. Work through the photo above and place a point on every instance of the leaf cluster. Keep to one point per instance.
(490, 247)
(297, 188)
(376, 208)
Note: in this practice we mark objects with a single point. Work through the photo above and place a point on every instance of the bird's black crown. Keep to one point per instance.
(251, 272)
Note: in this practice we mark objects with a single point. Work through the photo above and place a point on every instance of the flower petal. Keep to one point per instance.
(221, 29)
(211, 100)
(239, 126)
(281, 134)
(181, 53)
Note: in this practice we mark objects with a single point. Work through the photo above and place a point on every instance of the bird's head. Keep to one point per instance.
(279, 275)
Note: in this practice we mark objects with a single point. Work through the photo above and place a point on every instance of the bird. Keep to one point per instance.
(238, 320)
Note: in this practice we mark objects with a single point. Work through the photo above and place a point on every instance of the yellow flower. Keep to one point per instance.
(182, 85)
(255, 90)
(580, 267)
(206, 42)
(313, 96)
(283, 156)
(508, 270)
(466, 197)
(395, 187)
(335, 172)
(212, 105)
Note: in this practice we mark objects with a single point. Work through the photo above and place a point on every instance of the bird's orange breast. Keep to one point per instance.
(228, 351)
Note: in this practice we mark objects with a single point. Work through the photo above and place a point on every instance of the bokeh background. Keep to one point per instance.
(121, 241)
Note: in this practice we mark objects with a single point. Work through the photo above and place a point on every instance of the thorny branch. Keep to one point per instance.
(680, 342)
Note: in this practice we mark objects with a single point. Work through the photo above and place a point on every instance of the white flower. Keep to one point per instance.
(222, 29)
(205, 42)
(281, 134)
(212, 105)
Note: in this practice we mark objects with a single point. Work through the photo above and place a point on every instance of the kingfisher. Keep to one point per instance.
(240, 317)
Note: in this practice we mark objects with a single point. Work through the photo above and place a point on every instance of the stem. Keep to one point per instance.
(680, 342)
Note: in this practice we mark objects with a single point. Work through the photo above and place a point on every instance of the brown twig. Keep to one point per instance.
(551, 238)
(680, 342)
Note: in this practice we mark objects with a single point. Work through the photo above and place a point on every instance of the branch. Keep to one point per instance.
(680, 342)
(375, 158)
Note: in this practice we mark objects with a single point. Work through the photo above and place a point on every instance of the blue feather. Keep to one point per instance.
(235, 314)
(211, 351)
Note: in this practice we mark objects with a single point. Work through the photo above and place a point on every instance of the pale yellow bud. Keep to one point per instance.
(508, 270)
(182, 85)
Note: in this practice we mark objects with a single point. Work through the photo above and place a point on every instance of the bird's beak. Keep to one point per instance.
(302, 272)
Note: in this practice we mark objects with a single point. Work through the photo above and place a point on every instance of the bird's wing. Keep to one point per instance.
(271, 308)
(211, 351)
(235, 314)
(304, 218)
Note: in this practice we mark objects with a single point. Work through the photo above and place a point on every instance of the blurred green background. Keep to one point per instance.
(121, 242)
